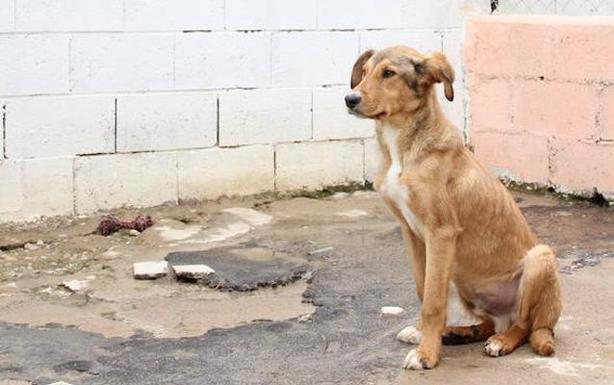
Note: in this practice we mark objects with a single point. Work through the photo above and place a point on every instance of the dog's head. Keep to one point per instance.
(396, 80)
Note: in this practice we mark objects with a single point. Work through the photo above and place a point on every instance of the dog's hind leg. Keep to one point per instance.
(539, 306)
(540, 301)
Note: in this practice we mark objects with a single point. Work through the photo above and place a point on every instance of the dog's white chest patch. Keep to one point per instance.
(392, 186)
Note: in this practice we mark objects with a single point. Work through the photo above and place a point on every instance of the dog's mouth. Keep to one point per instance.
(360, 115)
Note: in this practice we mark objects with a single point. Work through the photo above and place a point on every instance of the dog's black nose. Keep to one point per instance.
(352, 100)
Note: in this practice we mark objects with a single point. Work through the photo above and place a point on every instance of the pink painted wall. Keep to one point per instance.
(541, 99)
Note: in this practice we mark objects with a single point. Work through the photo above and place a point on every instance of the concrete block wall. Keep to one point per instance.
(541, 99)
(556, 7)
(109, 103)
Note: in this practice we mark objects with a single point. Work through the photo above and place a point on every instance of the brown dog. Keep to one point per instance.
(458, 221)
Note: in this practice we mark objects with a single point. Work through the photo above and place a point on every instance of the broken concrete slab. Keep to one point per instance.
(150, 270)
(242, 269)
(192, 272)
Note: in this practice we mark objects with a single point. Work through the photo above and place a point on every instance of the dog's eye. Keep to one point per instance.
(388, 74)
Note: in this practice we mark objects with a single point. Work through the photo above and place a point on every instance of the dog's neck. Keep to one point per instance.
(424, 130)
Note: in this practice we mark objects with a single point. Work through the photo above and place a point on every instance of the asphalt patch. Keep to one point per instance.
(243, 269)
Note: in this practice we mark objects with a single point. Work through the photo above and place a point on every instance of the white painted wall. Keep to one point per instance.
(109, 103)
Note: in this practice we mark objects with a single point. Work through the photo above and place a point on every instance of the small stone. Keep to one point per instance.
(134, 233)
(192, 271)
(321, 252)
(31, 246)
(150, 270)
(74, 285)
(60, 383)
(392, 310)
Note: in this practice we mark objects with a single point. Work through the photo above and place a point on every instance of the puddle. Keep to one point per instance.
(171, 234)
(251, 216)
(164, 310)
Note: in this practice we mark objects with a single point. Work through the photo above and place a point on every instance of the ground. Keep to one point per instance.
(71, 310)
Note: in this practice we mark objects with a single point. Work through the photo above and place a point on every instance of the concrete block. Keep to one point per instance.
(331, 119)
(584, 50)
(270, 14)
(34, 188)
(452, 47)
(7, 15)
(2, 119)
(59, 126)
(246, 170)
(166, 121)
(580, 166)
(264, 116)
(490, 105)
(150, 270)
(606, 113)
(556, 108)
(222, 60)
(313, 58)
(372, 158)
(48, 187)
(338, 162)
(436, 14)
(11, 188)
(192, 272)
(33, 64)
(528, 7)
(521, 157)
(69, 15)
(121, 62)
(424, 41)
(510, 46)
(361, 14)
(124, 180)
(175, 15)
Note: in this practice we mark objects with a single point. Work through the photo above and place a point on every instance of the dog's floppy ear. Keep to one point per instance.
(437, 69)
(357, 70)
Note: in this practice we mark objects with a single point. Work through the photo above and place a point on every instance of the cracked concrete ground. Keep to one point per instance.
(107, 328)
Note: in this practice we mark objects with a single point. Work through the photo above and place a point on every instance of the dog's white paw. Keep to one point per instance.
(410, 335)
(493, 347)
(412, 361)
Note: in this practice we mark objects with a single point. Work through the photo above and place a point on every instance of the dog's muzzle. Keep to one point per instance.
(352, 100)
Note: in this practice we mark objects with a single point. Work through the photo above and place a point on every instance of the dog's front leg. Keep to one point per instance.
(440, 248)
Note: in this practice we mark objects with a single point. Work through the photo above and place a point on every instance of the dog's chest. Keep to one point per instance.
(391, 187)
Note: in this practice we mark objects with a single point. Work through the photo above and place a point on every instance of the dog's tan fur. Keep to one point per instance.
(466, 226)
